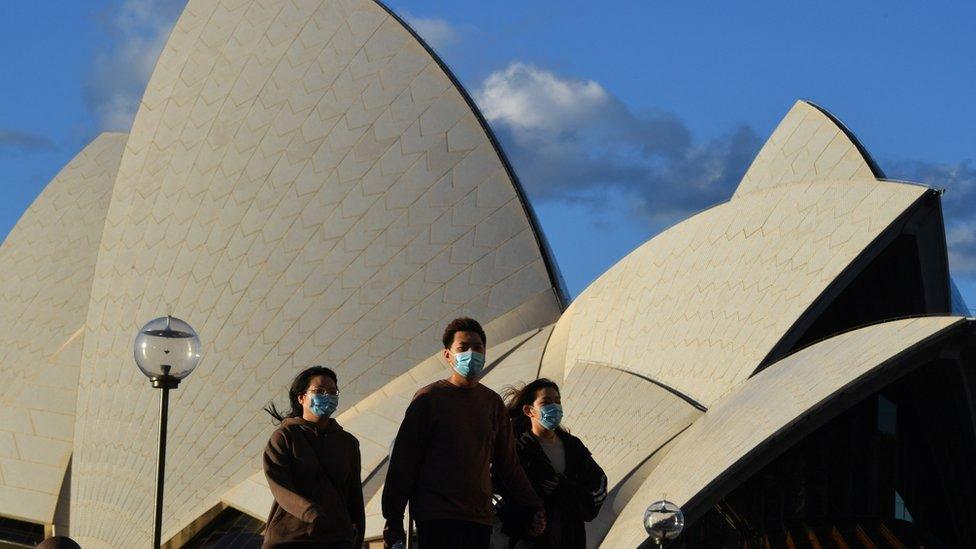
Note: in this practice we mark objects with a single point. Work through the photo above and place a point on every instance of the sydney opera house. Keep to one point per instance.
(306, 183)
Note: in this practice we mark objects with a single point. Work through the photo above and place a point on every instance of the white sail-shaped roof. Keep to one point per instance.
(766, 406)
(46, 267)
(808, 145)
(701, 307)
(698, 307)
(304, 183)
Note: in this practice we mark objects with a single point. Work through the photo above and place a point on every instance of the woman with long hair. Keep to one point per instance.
(313, 469)
(559, 466)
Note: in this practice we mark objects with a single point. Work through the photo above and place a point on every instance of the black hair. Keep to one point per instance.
(298, 386)
(463, 324)
(517, 398)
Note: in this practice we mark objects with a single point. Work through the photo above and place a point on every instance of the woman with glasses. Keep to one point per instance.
(313, 469)
(559, 466)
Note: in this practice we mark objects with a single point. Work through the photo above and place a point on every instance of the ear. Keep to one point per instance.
(528, 410)
(446, 353)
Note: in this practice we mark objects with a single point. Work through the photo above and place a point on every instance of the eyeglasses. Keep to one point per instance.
(323, 391)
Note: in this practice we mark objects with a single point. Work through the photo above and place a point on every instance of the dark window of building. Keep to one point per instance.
(896, 466)
(901, 512)
(19, 532)
(231, 529)
(887, 416)
(907, 277)
(875, 294)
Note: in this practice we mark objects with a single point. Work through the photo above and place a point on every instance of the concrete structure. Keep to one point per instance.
(46, 268)
(306, 183)
(742, 424)
(805, 249)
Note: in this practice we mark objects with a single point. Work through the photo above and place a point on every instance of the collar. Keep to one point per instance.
(332, 426)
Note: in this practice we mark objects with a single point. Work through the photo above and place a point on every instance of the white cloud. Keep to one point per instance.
(526, 97)
(119, 73)
(961, 237)
(438, 33)
(958, 204)
(571, 139)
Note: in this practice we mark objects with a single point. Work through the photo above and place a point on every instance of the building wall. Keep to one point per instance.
(46, 267)
(303, 184)
(698, 307)
(765, 406)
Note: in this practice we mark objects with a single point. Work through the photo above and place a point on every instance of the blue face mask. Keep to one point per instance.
(324, 405)
(550, 415)
(469, 364)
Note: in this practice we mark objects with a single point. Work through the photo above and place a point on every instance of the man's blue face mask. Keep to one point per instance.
(324, 405)
(469, 364)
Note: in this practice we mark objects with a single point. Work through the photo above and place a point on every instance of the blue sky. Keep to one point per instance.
(620, 117)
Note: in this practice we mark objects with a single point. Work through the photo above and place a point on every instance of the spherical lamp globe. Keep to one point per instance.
(663, 521)
(167, 350)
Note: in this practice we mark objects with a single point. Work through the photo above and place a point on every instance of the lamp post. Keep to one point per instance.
(167, 350)
(663, 521)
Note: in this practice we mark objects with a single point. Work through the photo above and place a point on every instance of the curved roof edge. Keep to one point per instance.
(555, 276)
(875, 167)
(860, 385)
(843, 398)
(683, 396)
(661, 290)
(790, 337)
(620, 495)
(47, 264)
(251, 496)
(767, 414)
(809, 144)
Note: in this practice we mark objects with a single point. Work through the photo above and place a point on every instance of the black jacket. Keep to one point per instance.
(568, 506)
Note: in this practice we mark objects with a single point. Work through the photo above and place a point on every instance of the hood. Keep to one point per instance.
(333, 425)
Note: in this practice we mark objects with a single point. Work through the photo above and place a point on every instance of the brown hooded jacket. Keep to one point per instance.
(314, 475)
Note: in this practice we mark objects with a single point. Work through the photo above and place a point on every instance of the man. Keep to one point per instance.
(454, 434)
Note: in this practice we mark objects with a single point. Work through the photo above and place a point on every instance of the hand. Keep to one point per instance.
(600, 493)
(538, 525)
(393, 533)
(318, 524)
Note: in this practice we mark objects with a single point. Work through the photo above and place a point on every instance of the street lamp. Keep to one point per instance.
(166, 350)
(663, 521)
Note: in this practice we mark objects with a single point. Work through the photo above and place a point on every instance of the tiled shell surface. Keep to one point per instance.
(698, 307)
(46, 267)
(761, 407)
(620, 417)
(806, 146)
(303, 184)
(623, 420)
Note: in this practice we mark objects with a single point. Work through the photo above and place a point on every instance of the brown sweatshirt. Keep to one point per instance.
(450, 440)
(314, 475)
